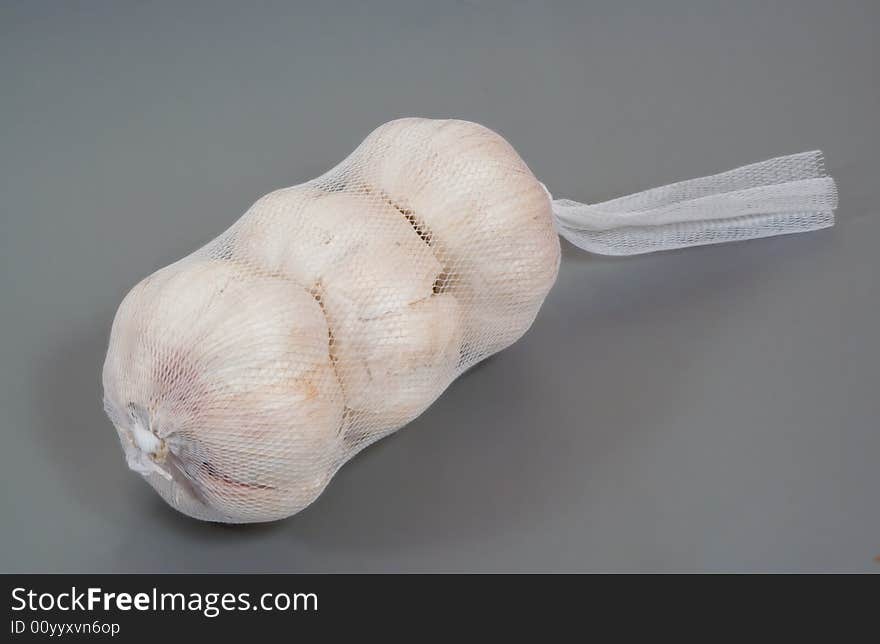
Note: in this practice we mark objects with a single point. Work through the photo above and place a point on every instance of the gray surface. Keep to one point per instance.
(708, 409)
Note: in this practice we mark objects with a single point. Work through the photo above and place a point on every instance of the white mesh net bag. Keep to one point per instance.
(332, 313)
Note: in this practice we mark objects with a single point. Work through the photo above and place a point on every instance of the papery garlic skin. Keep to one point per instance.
(231, 374)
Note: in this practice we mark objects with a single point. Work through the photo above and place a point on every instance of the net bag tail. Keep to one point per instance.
(789, 194)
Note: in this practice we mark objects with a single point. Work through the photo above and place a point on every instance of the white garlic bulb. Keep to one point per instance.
(220, 385)
(394, 342)
(487, 217)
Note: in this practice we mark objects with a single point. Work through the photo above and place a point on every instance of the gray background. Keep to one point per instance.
(708, 409)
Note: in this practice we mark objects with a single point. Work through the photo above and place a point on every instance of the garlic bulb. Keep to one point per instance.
(394, 343)
(221, 387)
(486, 216)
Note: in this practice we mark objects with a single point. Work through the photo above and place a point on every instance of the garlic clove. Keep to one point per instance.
(282, 234)
(503, 258)
(378, 278)
(395, 344)
(303, 233)
(393, 367)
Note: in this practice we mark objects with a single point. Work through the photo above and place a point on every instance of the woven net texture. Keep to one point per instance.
(331, 314)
